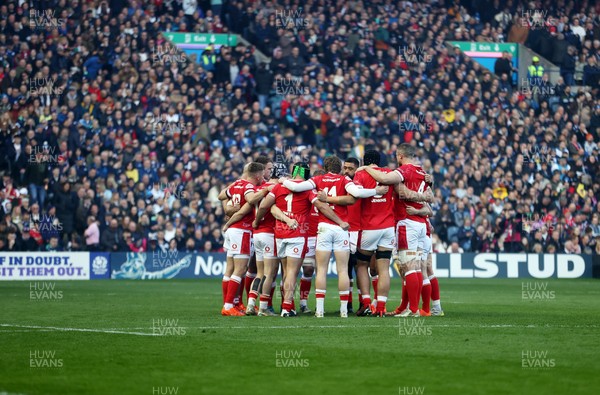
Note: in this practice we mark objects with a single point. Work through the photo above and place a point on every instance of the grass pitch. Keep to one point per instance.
(167, 337)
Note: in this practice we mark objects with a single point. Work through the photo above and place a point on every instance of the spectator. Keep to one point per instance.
(535, 72)
(53, 245)
(455, 248)
(465, 235)
(92, 234)
(471, 127)
(503, 66)
(567, 68)
(591, 72)
(112, 238)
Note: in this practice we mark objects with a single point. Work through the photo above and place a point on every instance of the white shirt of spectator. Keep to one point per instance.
(579, 30)
(169, 234)
(157, 192)
(190, 6)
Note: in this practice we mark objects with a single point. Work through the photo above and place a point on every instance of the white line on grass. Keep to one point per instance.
(390, 326)
(54, 328)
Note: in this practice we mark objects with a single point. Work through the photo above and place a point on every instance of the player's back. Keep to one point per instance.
(267, 224)
(237, 192)
(354, 216)
(414, 179)
(296, 206)
(376, 212)
(333, 185)
(313, 221)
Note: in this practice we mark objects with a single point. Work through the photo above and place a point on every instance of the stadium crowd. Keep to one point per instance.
(105, 147)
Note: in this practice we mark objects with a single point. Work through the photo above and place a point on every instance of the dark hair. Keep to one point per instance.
(263, 160)
(255, 167)
(372, 157)
(332, 164)
(352, 160)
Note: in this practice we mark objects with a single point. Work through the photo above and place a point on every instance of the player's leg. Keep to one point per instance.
(253, 290)
(274, 286)
(408, 243)
(229, 267)
(341, 250)
(240, 250)
(400, 269)
(426, 288)
(227, 275)
(238, 301)
(363, 259)
(436, 305)
(251, 274)
(271, 267)
(292, 269)
(373, 273)
(352, 268)
(384, 240)
(351, 276)
(383, 286)
(283, 270)
(322, 256)
(308, 270)
(294, 250)
(362, 277)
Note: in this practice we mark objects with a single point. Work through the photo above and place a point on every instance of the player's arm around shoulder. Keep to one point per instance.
(253, 196)
(224, 194)
(329, 213)
(345, 200)
(405, 193)
(241, 213)
(280, 215)
(388, 178)
(299, 186)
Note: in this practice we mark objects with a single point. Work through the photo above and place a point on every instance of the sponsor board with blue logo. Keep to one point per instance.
(165, 265)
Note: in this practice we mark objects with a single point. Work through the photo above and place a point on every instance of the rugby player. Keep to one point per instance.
(308, 265)
(411, 229)
(264, 243)
(431, 288)
(330, 235)
(238, 237)
(292, 242)
(376, 237)
(350, 166)
(253, 274)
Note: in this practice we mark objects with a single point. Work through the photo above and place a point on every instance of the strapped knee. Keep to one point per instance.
(309, 262)
(362, 257)
(406, 256)
(383, 254)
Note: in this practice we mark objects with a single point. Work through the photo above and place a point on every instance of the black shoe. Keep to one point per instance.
(350, 310)
(364, 311)
(293, 313)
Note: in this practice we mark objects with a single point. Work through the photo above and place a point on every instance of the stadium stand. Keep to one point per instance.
(105, 146)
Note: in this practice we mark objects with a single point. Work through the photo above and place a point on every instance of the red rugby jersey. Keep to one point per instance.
(237, 193)
(296, 206)
(413, 177)
(376, 212)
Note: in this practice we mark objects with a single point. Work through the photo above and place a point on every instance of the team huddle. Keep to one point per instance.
(369, 217)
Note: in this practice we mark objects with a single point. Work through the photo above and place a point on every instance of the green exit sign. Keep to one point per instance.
(471, 48)
(197, 40)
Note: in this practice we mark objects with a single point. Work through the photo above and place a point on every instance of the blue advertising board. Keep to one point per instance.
(166, 265)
